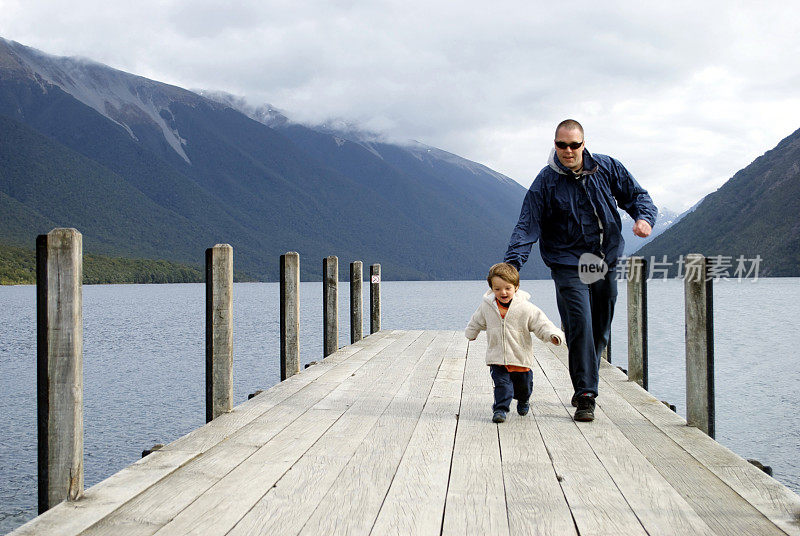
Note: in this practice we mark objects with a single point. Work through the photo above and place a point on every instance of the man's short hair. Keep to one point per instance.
(569, 124)
(504, 271)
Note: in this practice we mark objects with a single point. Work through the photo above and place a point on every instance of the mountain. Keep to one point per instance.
(150, 170)
(403, 172)
(754, 214)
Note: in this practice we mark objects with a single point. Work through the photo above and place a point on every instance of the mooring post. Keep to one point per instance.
(356, 327)
(698, 297)
(330, 304)
(374, 298)
(290, 314)
(219, 331)
(637, 321)
(606, 353)
(59, 371)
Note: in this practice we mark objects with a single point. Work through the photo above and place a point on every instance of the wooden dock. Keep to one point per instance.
(393, 435)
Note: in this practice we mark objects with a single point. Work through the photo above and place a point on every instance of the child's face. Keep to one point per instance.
(503, 290)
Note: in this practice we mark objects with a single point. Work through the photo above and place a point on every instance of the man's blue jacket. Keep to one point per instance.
(574, 214)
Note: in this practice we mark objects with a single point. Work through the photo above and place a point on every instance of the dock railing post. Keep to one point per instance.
(637, 321)
(356, 304)
(374, 298)
(219, 331)
(59, 371)
(606, 353)
(290, 314)
(698, 297)
(330, 304)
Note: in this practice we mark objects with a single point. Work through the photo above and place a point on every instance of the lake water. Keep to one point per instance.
(144, 363)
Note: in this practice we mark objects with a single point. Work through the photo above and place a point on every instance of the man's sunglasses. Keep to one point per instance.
(575, 145)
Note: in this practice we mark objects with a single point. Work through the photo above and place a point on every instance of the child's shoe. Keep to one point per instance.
(499, 416)
(523, 408)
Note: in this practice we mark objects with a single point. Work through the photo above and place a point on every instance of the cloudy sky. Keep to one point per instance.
(683, 93)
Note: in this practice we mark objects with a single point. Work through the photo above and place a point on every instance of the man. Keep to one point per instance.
(571, 209)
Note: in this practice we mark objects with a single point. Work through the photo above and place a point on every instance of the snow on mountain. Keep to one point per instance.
(123, 98)
(665, 219)
(265, 114)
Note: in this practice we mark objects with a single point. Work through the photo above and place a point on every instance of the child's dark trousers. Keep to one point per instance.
(508, 385)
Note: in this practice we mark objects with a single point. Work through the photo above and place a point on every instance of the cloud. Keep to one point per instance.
(684, 93)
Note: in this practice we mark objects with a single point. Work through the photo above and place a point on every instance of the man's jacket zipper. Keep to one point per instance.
(596, 215)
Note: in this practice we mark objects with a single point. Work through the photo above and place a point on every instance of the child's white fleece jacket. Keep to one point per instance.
(509, 338)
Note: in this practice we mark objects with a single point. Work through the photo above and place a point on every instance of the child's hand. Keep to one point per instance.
(555, 339)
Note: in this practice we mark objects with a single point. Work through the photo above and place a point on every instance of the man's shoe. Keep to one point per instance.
(585, 411)
(499, 416)
(575, 400)
(523, 408)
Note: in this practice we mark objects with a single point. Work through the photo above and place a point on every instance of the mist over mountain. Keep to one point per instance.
(152, 170)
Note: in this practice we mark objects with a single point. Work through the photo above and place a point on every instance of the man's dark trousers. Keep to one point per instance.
(586, 312)
(508, 385)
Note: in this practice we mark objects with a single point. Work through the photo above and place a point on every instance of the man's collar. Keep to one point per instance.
(589, 164)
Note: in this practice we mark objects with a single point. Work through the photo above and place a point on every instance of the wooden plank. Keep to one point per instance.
(235, 448)
(155, 507)
(476, 496)
(769, 498)
(105, 497)
(352, 503)
(217, 510)
(597, 505)
(536, 502)
(328, 371)
(287, 507)
(72, 517)
(659, 507)
(415, 501)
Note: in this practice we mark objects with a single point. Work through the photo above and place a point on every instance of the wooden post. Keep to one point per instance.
(330, 304)
(374, 298)
(699, 345)
(637, 321)
(59, 372)
(290, 314)
(356, 306)
(219, 331)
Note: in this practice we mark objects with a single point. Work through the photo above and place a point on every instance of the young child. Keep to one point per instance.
(509, 318)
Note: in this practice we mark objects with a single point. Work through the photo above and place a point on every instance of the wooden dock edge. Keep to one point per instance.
(100, 500)
(769, 496)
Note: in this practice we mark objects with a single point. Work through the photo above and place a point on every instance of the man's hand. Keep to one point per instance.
(642, 228)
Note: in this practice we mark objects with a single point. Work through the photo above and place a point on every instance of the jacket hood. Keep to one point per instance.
(519, 295)
(589, 165)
